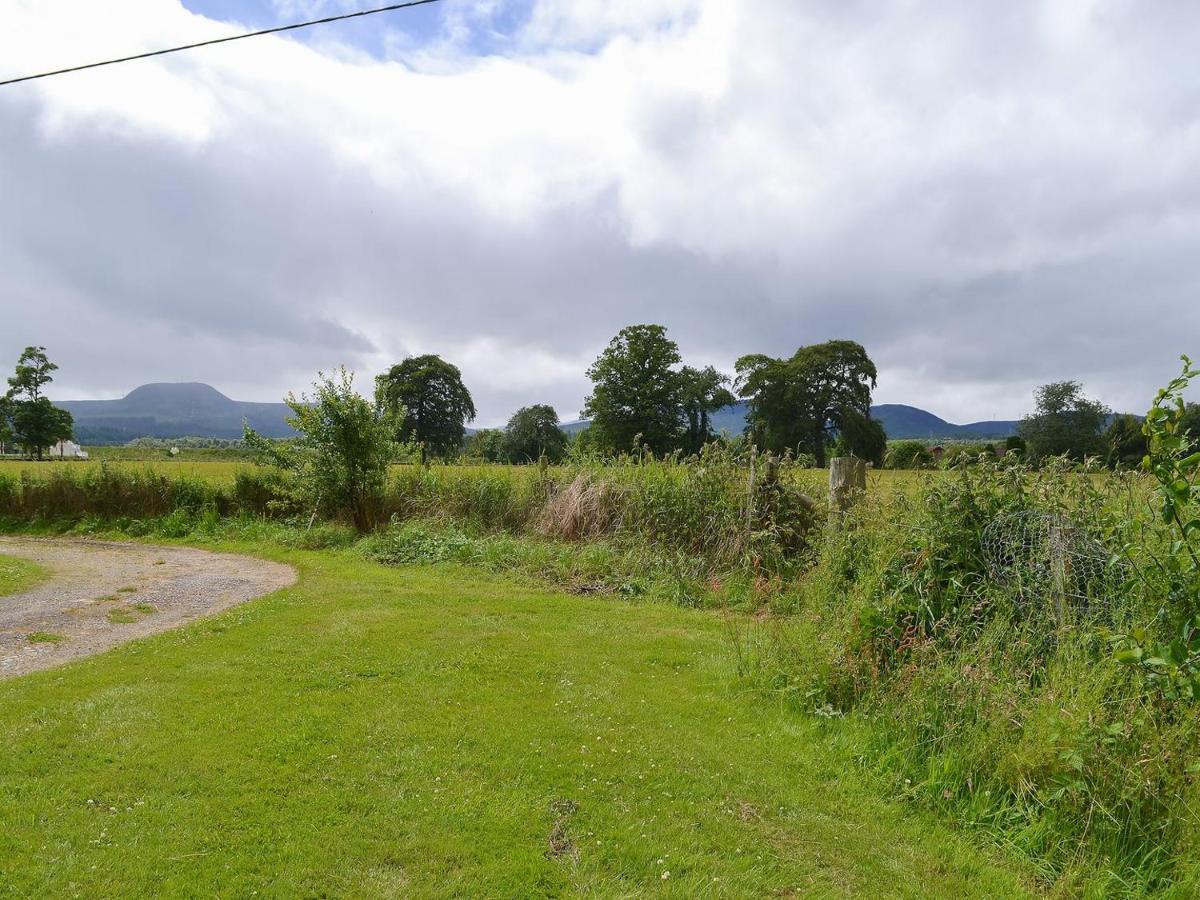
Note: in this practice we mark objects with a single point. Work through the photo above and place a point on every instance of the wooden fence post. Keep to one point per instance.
(847, 481)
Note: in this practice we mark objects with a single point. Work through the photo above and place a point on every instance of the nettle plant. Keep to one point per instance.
(1174, 460)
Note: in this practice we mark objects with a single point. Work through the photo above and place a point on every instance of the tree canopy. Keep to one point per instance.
(1126, 442)
(799, 403)
(31, 419)
(862, 436)
(703, 392)
(636, 393)
(1064, 423)
(436, 405)
(533, 432)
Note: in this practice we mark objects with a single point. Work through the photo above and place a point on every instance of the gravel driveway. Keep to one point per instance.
(103, 593)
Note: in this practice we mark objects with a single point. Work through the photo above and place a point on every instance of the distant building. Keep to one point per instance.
(67, 450)
(937, 451)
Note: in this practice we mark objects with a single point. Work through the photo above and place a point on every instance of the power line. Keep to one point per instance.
(236, 37)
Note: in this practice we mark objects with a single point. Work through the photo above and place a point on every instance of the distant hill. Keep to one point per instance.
(187, 409)
(899, 421)
(191, 409)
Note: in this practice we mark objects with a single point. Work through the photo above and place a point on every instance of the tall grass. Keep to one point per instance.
(726, 510)
(981, 697)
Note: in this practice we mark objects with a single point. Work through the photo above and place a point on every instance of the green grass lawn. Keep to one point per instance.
(17, 575)
(439, 732)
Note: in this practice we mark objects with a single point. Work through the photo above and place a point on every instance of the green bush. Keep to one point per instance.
(908, 455)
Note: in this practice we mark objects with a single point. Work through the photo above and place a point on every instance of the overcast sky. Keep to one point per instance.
(987, 196)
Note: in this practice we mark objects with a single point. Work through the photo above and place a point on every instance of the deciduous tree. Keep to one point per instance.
(486, 444)
(436, 403)
(533, 432)
(637, 391)
(704, 391)
(35, 422)
(862, 436)
(1064, 423)
(798, 403)
(1126, 442)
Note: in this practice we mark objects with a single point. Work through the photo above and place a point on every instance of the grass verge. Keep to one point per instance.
(439, 731)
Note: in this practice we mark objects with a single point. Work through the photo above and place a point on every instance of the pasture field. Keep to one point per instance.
(435, 731)
(18, 574)
(223, 471)
(214, 472)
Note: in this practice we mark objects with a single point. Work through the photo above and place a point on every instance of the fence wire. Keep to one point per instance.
(1046, 557)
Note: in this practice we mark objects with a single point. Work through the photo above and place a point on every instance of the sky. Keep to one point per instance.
(986, 196)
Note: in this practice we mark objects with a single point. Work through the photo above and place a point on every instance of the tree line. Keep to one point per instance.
(1065, 422)
(645, 399)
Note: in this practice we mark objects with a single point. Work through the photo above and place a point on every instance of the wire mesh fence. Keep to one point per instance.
(1046, 558)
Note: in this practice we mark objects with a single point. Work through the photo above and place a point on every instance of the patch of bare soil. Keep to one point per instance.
(103, 593)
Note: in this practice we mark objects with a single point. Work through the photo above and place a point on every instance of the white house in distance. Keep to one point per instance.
(67, 450)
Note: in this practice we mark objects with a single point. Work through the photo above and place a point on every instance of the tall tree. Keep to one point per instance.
(34, 372)
(435, 402)
(1064, 423)
(533, 432)
(1190, 423)
(6, 416)
(637, 391)
(862, 436)
(798, 403)
(1126, 442)
(704, 391)
(35, 422)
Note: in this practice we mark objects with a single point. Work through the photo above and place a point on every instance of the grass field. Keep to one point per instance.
(440, 732)
(18, 575)
(220, 472)
(223, 471)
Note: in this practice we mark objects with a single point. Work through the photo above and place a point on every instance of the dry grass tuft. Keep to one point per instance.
(586, 508)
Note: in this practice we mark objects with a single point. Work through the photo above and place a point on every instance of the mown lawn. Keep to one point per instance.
(18, 574)
(438, 732)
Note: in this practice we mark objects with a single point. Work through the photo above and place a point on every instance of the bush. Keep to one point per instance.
(908, 455)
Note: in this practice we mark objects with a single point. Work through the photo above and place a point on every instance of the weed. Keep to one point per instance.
(44, 637)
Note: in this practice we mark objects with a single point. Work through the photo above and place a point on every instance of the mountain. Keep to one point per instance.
(198, 410)
(171, 411)
(899, 421)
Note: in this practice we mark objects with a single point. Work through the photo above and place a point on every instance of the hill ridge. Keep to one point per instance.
(167, 409)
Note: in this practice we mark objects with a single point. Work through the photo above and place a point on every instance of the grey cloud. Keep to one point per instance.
(980, 202)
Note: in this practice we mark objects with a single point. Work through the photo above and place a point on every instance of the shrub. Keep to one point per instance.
(341, 456)
(908, 455)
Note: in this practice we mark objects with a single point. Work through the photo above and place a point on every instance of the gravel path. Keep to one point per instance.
(103, 593)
